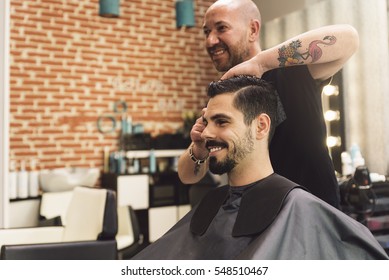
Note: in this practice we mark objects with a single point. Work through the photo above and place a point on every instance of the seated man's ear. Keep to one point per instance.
(262, 126)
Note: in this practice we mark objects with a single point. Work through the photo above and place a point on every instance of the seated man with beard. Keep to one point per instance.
(259, 214)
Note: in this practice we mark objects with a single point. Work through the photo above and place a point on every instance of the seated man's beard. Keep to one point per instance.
(221, 167)
(242, 148)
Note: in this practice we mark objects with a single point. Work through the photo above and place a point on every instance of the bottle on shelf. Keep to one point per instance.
(153, 162)
(33, 180)
(22, 181)
(347, 164)
(13, 181)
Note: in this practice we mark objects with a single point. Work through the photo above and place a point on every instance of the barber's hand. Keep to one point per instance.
(249, 67)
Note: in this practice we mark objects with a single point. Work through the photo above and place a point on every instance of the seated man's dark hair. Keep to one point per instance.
(253, 96)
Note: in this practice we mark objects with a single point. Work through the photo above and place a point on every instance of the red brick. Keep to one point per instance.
(65, 82)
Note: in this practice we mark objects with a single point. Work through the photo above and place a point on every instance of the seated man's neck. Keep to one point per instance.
(244, 175)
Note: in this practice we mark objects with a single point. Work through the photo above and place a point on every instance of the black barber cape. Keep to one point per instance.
(270, 219)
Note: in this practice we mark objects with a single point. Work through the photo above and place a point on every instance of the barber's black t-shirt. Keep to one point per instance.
(298, 149)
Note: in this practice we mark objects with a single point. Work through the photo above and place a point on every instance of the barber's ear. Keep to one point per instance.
(262, 126)
(255, 27)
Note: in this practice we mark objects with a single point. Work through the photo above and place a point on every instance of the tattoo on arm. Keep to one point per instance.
(289, 54)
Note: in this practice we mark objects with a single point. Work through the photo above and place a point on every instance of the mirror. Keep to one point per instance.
(364, 77)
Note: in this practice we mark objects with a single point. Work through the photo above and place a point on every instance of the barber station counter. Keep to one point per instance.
(371, 208)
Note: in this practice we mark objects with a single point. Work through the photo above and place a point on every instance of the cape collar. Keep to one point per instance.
(259, 206)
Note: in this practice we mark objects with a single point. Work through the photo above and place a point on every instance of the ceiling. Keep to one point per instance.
(271, 9)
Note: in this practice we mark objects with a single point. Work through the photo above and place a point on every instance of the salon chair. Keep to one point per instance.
(53, 208)
(89, 232)
(129, 238)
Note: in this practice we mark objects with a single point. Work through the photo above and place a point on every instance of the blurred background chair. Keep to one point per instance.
(89, 231)
(129, 238)
(53, 208)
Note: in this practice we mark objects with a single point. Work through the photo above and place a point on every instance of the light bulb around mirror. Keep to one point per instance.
(331, 115)
(333, 141)
(330, 90)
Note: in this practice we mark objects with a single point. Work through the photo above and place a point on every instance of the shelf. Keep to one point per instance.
(157, 153)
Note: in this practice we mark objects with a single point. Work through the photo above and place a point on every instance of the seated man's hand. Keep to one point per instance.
(199, 149)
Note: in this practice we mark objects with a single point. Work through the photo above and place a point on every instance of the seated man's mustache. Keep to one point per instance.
(214, 143)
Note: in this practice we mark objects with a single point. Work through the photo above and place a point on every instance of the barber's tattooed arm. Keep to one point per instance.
(324, 50)
(291, 54)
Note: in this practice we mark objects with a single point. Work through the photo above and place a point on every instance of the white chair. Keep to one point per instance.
(53, 207)
(129, 239)
(91, 216)
(53, 212)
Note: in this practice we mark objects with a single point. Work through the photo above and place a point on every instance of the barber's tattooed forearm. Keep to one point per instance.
(290, 55)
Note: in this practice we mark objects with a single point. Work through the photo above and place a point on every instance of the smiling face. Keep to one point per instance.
(226, 36)
(229, 141)
(238, 126)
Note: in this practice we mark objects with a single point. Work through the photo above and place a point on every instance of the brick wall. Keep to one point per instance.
(69, 66)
